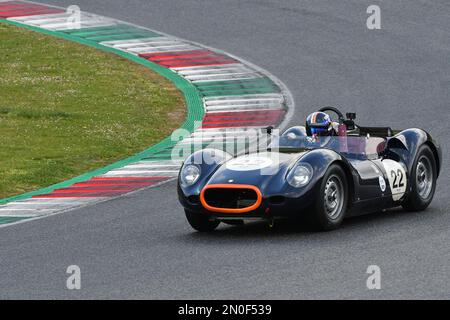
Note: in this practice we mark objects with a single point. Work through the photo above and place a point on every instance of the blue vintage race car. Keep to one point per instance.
(325, 179)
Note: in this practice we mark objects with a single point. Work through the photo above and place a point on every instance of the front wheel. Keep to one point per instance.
(330, 205)
(422, 181)
(200, 221)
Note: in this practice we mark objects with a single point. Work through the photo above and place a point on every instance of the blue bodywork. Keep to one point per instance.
(279, 199)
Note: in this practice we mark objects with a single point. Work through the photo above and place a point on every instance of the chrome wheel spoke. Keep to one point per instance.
(334, 197)
(424, 177)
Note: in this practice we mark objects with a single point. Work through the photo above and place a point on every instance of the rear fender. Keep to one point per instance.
(405, 145)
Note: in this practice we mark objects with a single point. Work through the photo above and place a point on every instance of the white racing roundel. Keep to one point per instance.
(248, 163)
(397, 177)
(382, 184)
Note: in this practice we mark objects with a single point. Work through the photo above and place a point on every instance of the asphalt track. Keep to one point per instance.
(140, 246)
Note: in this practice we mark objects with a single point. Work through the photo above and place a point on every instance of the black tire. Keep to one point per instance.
(320, 216)
(418, 199)
(200, 221)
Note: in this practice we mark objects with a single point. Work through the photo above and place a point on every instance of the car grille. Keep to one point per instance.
(231, 198)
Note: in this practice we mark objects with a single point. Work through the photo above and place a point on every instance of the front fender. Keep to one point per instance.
(320, 160)
(208, 160)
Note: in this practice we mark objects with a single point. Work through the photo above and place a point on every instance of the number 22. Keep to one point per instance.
(398, 179)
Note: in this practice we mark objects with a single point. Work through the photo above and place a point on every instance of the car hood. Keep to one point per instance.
(261, 169)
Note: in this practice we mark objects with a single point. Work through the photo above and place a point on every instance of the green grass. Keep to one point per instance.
(66, 109)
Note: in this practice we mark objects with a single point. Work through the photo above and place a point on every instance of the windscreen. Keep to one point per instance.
(351, 146)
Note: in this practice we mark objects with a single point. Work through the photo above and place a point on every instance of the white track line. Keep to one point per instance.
(150, 45)
(134, 173)
(218, 73)
(59, 22)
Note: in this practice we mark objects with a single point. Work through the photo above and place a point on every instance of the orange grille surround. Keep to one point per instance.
(231, 186)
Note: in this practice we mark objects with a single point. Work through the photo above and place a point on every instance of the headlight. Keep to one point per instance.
(300, 175)
(189, 174)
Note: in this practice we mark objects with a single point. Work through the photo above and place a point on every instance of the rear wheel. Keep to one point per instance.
(330, 205)
(422, 181)
(200, 221)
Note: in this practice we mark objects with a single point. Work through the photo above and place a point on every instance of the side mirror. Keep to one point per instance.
(269, 130)
(350, 123)
(351, 115)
